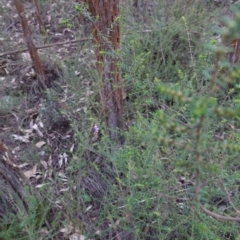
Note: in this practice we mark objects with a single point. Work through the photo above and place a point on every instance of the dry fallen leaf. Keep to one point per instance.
(71, 149)
(24, 139)
(77, 236)
(41, 124)
(35, 127)
(50, 161)
(31, 172)
(63, 176)
(64, 189)
(41, 185)
(44, 163)
(26, 130)
(23, 165)
(88, 208)
(44, 233)
(62, 159)
(67, 230)
(40, 144)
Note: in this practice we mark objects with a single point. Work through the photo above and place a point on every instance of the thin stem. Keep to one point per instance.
(45, 46)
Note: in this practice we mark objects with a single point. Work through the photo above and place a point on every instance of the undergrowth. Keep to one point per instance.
(181, 150)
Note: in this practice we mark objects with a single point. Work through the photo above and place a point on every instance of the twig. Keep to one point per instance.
(228, 195)
(218, 216)
(45, 46)
(189, 42)
(39, 17)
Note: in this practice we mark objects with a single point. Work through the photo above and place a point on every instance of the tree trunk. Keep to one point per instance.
(106, 36)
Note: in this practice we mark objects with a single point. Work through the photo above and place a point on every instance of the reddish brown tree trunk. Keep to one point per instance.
(28, 37)
(106, 37)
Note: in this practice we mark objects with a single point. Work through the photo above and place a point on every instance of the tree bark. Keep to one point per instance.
(106, 36)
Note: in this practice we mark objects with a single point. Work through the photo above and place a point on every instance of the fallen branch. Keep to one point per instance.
(45, 46)
(218, 216)
(228, 196)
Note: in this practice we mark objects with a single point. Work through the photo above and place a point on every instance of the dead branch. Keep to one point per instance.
(44, 46)
(218, 216)
(42, 29)
(228, 195)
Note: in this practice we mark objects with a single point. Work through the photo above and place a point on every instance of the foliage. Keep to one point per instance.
(181, 149)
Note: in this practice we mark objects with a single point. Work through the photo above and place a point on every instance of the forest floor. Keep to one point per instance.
(37, 125)
(34, 123)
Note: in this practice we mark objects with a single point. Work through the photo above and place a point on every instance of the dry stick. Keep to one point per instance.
(45, 46)
(218, 216)
(228, 196)
(28, 37)
(39, 17)
(189, 42)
